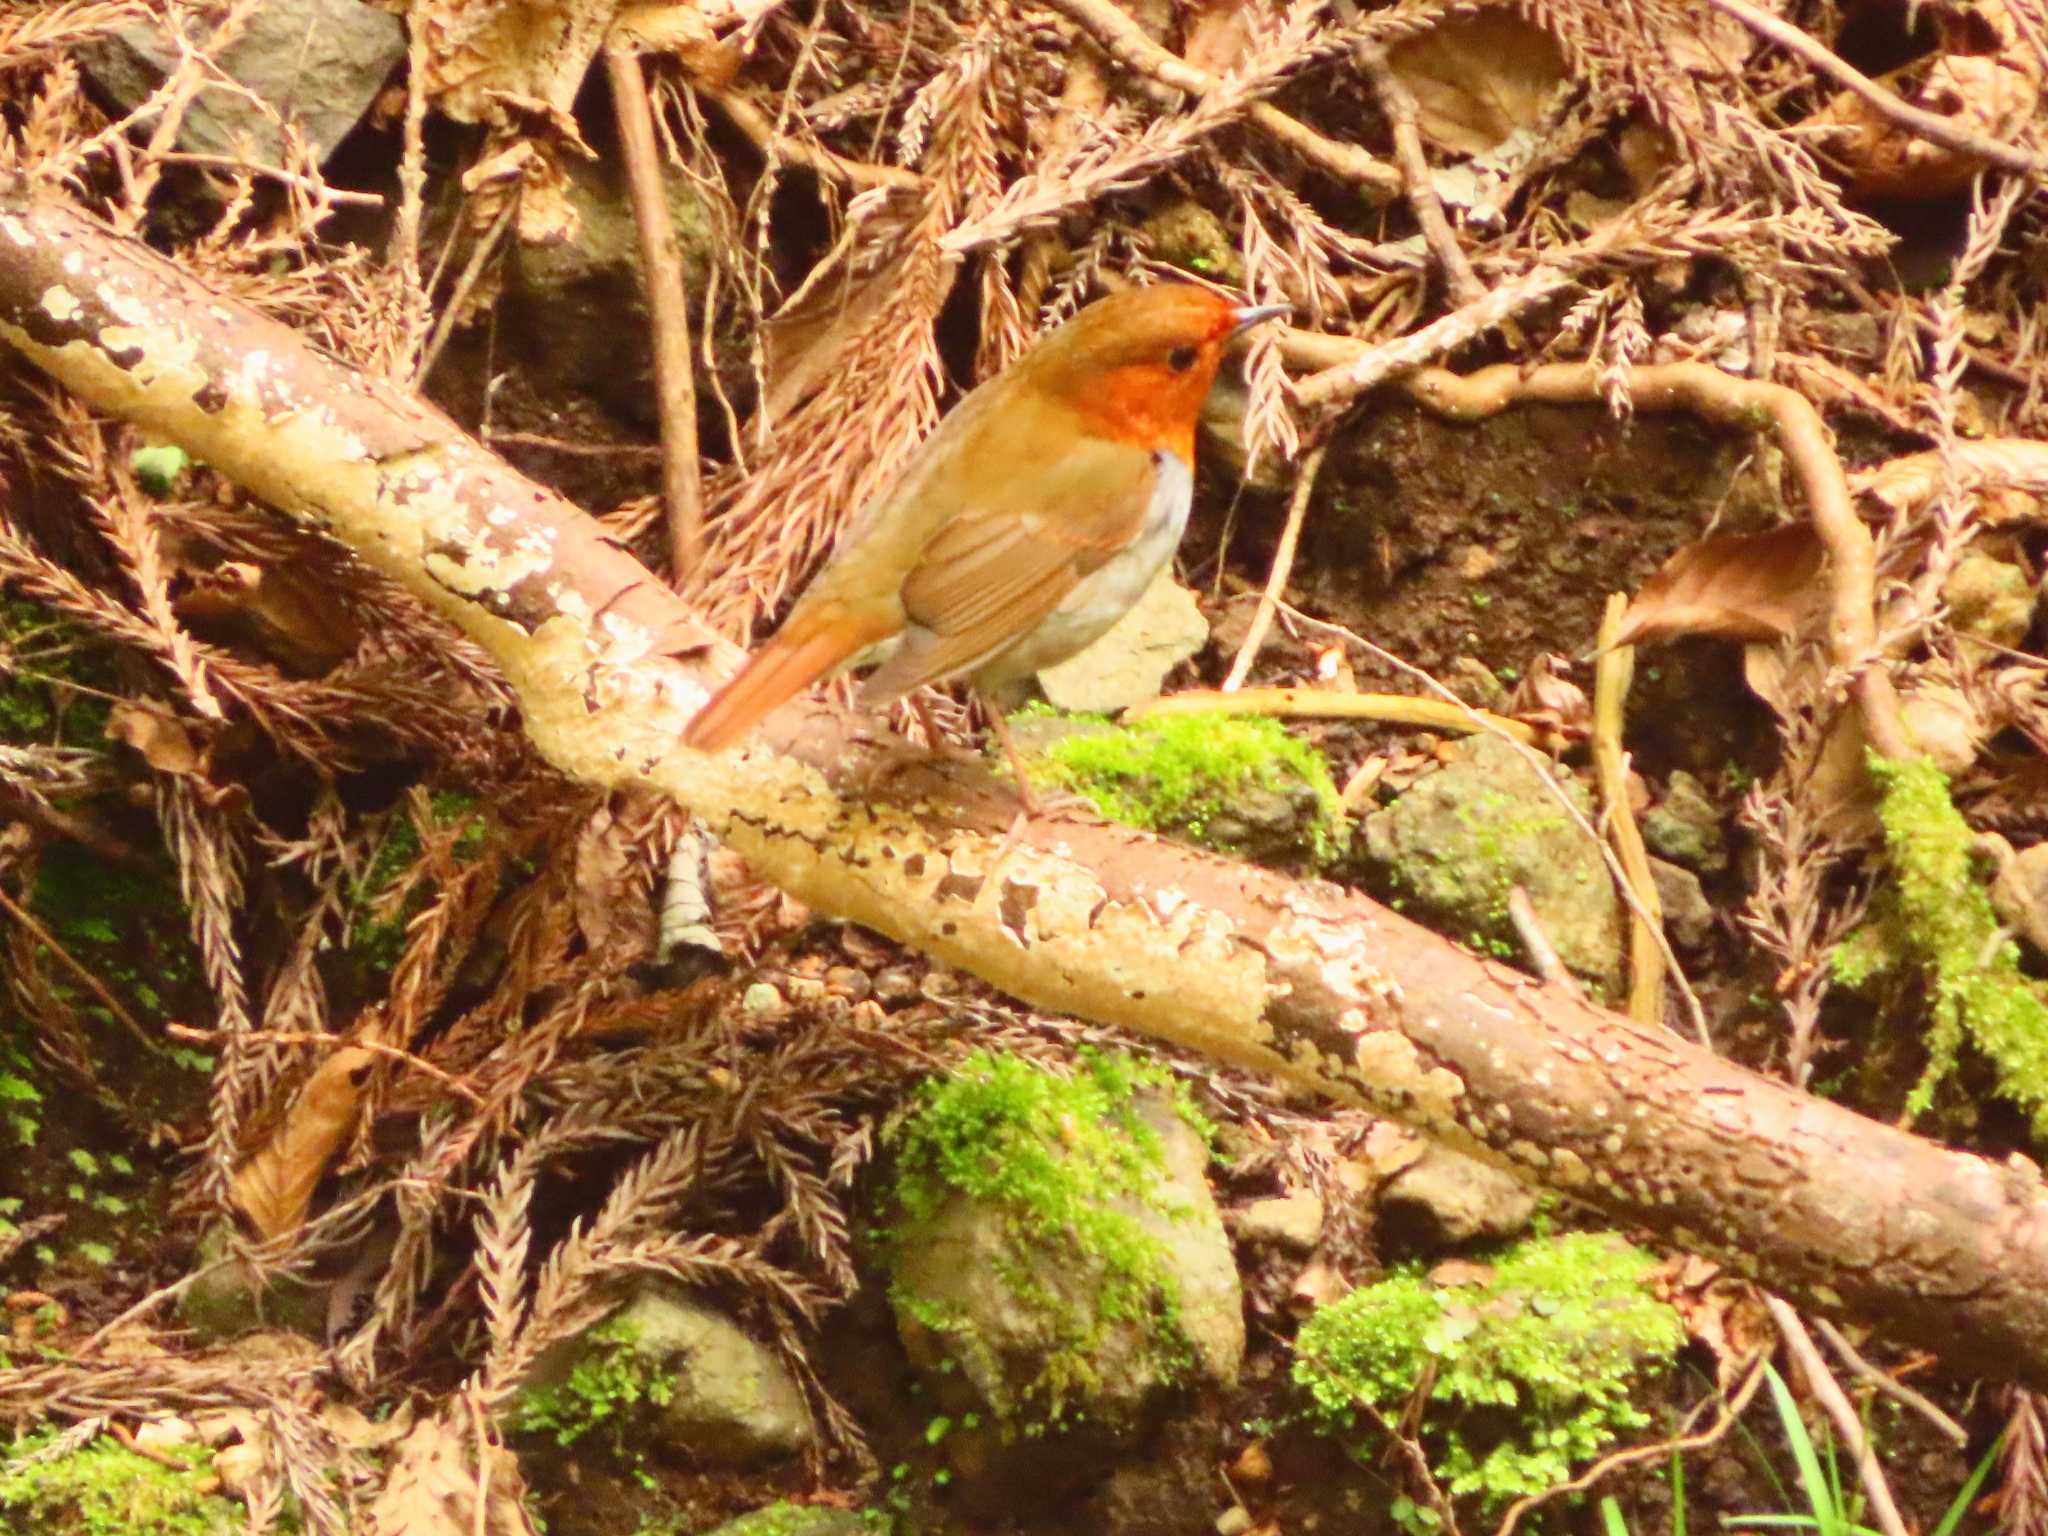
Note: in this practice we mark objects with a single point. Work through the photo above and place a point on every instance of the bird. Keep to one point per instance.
(1028, 522)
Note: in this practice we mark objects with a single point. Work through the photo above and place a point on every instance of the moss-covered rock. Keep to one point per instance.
(1525, 1368)
(1238, 783)
(786, 1519)
(1685, 826)
(1932, 926)
(1457, 842)
(1056, 1252)
(102, 1488)
(675, 1375)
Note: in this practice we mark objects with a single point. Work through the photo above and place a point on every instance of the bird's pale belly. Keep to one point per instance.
(1106, 594)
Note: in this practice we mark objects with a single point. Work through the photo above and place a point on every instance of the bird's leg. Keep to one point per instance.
(1001, 726)
(900, 753)
(1034, 803)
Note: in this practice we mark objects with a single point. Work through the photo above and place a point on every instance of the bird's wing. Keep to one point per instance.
(1011, 549)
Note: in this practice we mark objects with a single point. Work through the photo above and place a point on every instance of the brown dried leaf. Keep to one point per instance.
(1543, 694)
(1478, 79)
(274, 1187)
(1217, 33)
(1991, 98)
(1453, 1273)
(432, 1489)
(293, 620)
(482, 58)
(1741, 586)
(164, 743)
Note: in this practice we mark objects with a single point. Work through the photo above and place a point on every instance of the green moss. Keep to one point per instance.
(378, 924)
(158, 466)
(786, 1519)
(603, 1387)
(1524, 1377)
(53, 679)
(105, 1489)
(1179, 773)
(1061, 1158)
(1933, 924)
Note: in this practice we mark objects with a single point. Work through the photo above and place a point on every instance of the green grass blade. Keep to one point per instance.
(1827, 1516)
(1960, 1507)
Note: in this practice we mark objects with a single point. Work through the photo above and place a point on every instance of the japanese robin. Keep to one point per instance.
(1024, 527)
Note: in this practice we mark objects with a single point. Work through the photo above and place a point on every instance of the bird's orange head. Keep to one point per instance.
(1138, 364)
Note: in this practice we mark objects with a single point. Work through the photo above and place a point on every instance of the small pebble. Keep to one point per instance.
(762, 998)
(1234, 1521)
(848, 981)
(898, 984)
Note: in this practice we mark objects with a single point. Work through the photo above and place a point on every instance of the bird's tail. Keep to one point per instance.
(804, 650)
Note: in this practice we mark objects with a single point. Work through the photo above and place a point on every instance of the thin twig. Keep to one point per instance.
(579, 450)
(1828, 1392)
(1542, 953)
(661, 267)
(1890, 1385)
(1373, 366)
(1931, 126)
(85, 977)
(1397, 102)
(1329, 704)
(311, 186)
(861, 175)
(465, 284)
(1611, 678)
(21, 801)
(1418, 1465)
(1125, 41)
(1636, 1455)
(412, 188)
(1283, 567)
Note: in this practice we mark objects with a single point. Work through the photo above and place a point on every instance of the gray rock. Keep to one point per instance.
(1129, 664)
(1688, 915)
(1685, 826)
(786, 1519)
(1989, 599)
(2020, 895)
(577, 308)
(232, 1297)
(1010, 1301)
(1287, 1221)
(1458, 841)
(318, 63)
(723, 1396)
(1456, 1198)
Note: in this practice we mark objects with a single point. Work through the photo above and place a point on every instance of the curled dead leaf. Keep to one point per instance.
(275, 1186)
(1453, 1273)
(295, 621)
(1543, 694)
(1989, 97)
(1216, 34)
(1478, 79)
(1742, 586)
(164, 743)
(434, 1484)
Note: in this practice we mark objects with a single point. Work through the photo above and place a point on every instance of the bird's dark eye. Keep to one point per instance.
(1181, 359)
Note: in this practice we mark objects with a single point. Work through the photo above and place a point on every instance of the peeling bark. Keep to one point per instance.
(1320, 986)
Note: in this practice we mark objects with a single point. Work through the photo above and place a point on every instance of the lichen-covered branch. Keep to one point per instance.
(1301, 979)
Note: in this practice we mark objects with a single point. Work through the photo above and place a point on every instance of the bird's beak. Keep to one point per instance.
(1249, 315)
